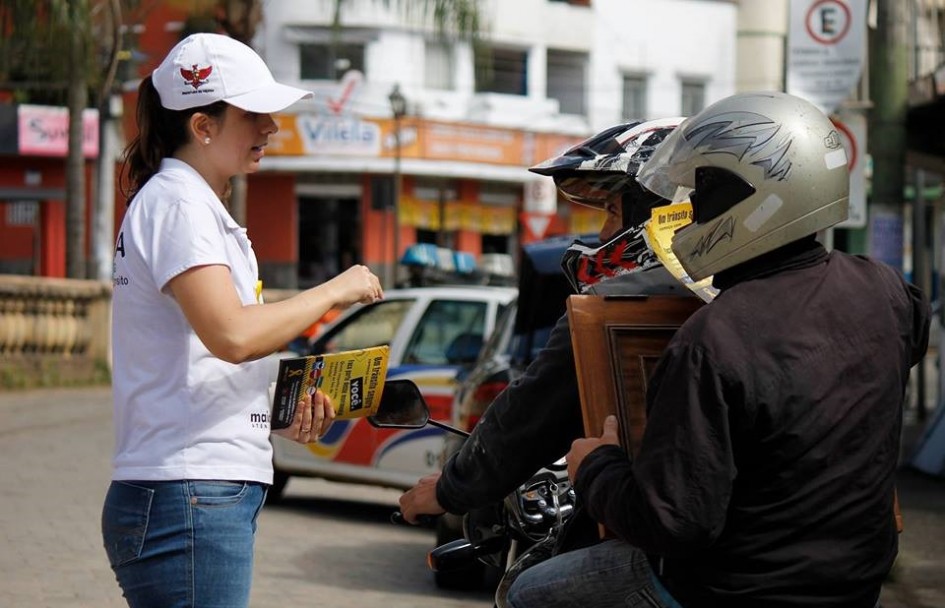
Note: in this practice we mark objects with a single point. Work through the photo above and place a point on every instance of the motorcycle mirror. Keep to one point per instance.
(402, 407)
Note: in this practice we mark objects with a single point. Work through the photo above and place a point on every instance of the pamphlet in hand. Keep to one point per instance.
(352, 379)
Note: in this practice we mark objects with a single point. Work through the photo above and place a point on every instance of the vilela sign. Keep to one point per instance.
(826, 50)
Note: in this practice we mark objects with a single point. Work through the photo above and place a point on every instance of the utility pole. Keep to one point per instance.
(110, 110)
(103, 211)
(889, 65)
(398, 109)
(78, 96)
(889, 90)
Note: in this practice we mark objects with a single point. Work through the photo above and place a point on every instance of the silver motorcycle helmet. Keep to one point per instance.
(761, 170)
(595, 172)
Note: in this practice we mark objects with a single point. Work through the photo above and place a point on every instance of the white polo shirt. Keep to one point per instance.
(180, 412)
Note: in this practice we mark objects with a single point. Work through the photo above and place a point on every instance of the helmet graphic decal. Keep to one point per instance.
(625, 253)
(638, 138)
(196, 77)
(748, 136)
(723, 230)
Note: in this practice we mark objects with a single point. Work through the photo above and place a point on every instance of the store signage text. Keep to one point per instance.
(334, 135)
(44, 131)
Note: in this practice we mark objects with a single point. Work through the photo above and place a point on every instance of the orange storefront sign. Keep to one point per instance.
(315, 135)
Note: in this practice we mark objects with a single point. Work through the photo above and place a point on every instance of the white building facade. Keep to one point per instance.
(452, 169)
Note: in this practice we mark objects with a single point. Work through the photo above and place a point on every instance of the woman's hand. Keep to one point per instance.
(356, 284)
(313, 416)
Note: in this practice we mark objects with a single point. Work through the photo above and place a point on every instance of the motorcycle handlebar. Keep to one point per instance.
(422, 520)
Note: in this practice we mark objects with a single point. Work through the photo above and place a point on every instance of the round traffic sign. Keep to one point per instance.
(828, 21)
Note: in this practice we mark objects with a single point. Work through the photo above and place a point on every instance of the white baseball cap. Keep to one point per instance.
(206, 68)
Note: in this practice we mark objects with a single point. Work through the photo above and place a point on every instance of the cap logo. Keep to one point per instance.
(197, 76)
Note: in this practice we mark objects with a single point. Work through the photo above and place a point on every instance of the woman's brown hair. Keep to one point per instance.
(160, 133)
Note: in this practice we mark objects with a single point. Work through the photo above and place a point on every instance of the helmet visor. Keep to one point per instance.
(591, 190)
(660, 174)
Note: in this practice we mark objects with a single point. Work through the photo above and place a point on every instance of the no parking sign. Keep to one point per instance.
(826, 50)
(826, 47)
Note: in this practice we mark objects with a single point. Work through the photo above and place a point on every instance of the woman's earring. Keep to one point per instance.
(206, 140)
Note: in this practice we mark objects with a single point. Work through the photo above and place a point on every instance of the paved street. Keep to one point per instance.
(328, 545)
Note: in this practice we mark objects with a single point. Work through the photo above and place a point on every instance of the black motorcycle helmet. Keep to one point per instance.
(592, 173)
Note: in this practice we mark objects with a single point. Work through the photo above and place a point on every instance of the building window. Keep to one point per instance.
(566, 80)
(22, 213)
(325, 61)
(693, 97)
(438, 66)
(634, 97)
(501, 71)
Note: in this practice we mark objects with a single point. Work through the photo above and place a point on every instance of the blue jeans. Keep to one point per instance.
(609, 574)
(182, 543)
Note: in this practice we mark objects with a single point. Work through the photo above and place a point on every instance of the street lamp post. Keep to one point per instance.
(398, 107)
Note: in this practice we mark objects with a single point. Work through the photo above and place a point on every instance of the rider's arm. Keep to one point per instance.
(529, 425)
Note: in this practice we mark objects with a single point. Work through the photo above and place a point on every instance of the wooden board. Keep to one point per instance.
(617, 342)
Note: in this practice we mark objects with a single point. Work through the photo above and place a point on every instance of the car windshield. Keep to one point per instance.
(520, 348)
(370, 326)
(525, 347)
(447, 325)
(502, 334)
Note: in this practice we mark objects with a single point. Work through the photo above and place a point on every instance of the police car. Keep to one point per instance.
(432, 332)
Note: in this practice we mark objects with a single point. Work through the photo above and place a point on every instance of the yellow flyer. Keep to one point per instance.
(353, 380)
(664, 222)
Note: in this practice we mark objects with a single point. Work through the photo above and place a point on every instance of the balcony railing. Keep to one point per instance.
(53, 331)
(56, 332)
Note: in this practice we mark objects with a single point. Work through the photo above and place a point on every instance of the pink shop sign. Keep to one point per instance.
(44, 131)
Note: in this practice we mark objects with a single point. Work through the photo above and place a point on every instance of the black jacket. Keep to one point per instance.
(534, 420)
(765, 474)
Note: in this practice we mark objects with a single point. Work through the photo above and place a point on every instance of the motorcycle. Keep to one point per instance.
(528, 527)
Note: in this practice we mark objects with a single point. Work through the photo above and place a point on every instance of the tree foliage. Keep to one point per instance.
(66, 53)
(37, 36)
(38, 42)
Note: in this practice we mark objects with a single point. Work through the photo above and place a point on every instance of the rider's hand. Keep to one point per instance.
(421, 499)
(582, 447)
(313, 416)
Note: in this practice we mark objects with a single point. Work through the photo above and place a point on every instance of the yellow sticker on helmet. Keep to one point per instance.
(663, 223)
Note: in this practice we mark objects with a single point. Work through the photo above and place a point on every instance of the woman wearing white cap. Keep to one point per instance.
(192, 457)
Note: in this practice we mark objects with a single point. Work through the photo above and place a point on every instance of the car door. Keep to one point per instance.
(448, 335)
